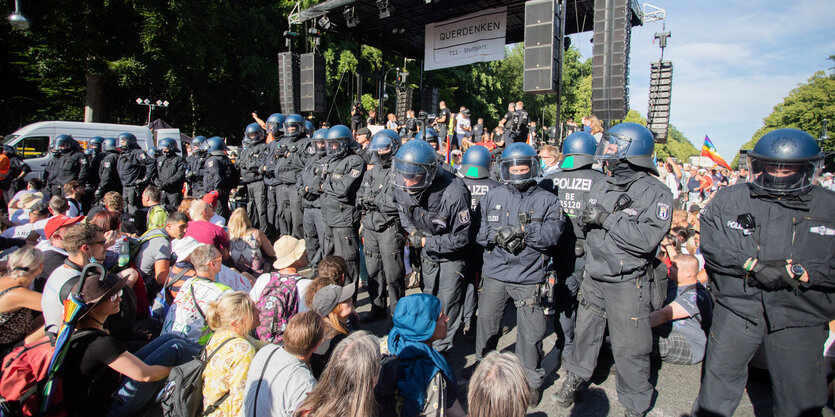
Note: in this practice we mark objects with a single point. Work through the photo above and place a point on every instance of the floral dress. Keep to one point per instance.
(226, 372)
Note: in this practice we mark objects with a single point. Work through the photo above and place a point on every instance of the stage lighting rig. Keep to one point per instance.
(385, 8)
(350, 16)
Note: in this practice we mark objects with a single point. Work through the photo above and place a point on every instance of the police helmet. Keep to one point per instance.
(385, 144)
(274, 123)
(785, 161)
(9, 150)
(293, 125)
(95, 143)
(630, 142)
(168, 146)
(519, 163)
(64, 143)
(153, 151)
(338, 139)
(318, 141)
(214, 143)
(127, 141)
(253, 134)
(429, 135)
(110, 145)
(90, 152)
(578, 150)
(476, 162)
(308, 127)
(415, 166)
(197, 143)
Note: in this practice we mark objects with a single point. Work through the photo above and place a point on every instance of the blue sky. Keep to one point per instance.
(733, 61)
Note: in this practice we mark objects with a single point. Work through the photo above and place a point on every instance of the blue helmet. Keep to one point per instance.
(385, 144)
(95, 143)
(213, 144)
(274, 123)
(476, 162)
(785, 161)
(317, 142)
(64, 143)
(110, 145)
(168, 146)
(630, 142)
(254, 134)
(415, 166)
(519, 164)
(293, 125)
(90, 152)
(578, 150)
(429, 135)
(127, 141)
(308, 127)
(338, 139)
(153, 151)
(197, 143)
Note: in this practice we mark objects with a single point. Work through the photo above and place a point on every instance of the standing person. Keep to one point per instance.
(383, 242)
(508, 123)
(252, 167)
(310, 189)
(771, 291)
(172, 173)
(73, 164)
(289, 159)
(441, 122)
(273, 126)
(522, 121)
(549, 158)
(363, 139)
(194, 166)
(410, 125)
(372, 119)
(478, 130)
(626, 217)
(342, 176)
(14, 180)
(219, 174)
(108, 171)
(520, 224)
(573, 186)
(136, 170)
(463, 128)
(434, 209)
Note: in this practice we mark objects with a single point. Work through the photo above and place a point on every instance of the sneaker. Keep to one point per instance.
(569, 390)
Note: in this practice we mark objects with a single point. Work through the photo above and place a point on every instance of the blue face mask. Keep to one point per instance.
(542, 164)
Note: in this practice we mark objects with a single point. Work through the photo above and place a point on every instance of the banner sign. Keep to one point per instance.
(476, 37)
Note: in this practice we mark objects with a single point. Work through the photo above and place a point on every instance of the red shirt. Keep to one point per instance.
(208, 233)
(490, 145)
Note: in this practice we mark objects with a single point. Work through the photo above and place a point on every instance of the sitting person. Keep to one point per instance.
(279, 377)
(53, 248)
(499, 387)
(332, 303)
(187, 315)
(57, 206)
(277, 293)
(333, 267)
(33, 186)
(19, 214)
(248, 246)
(346, 388)
(111, 223)
(679, 329)
(425, 380)
(20, 308)
(182, 249)
(155, 213)
(74, 193)
(232, 317)
(212, 199)
(290, 258)
(153, 258)
(204, 231)
(101, 378)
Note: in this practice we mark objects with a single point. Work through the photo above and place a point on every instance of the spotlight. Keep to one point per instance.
(325, 23)
(17, 19)
(397, 30)
(385, 8)
(350, 17)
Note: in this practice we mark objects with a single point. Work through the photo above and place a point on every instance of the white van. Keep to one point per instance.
(33, 141)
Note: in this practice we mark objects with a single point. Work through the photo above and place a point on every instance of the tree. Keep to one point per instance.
(677, 146)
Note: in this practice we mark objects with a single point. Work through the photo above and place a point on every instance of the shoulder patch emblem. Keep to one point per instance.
(142, 156)
(662, 211)
(630, 211)
(355, 173)
(83, 161)
(106, 164)
(210, 164)
(464, 216)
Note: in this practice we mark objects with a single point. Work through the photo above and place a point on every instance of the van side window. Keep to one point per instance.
(33, 146)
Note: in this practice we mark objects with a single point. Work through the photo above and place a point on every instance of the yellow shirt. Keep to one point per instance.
(226, 372)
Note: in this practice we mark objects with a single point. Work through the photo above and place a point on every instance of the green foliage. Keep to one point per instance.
(677, 146)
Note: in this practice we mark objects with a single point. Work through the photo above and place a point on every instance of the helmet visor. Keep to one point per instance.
(410, 176)
(272, 127)
(335, 147)
(319, 146)
(291, 128)
(519, 169)
(381, 145)
(612, 146)
(782, 177)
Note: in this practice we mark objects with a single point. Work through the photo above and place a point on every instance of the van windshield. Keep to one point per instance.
(9, 139)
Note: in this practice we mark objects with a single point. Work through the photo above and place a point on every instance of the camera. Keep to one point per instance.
(426, 117)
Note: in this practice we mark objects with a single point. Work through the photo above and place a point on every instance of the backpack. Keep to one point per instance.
(278, 302)
(23, 376)
(182, 395)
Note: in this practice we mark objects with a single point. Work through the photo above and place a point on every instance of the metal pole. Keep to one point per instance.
(561, 50)
(150, 109)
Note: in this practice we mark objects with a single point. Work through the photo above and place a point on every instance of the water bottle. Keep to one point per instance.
(124, 252)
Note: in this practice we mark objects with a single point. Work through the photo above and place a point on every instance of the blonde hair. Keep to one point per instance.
(596, 126)
(239, 224)
(185, 205)
(235, 308)
(499, 387)
(24, 261)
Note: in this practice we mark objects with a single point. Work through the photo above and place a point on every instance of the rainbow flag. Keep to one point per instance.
(709, 151)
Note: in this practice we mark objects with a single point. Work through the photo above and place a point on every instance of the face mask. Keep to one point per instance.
(542, 164)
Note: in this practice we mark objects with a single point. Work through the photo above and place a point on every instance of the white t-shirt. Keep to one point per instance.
(218, 220)
(264, 279)
(672, 183)
(461, 123)
(183, 318)
(51, 304)
(20, 232)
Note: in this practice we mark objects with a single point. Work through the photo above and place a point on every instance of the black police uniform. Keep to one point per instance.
(171, 175)
(216, 177)
(136, 170)
(194, 165)
(310, 190)
(289, 159)
(789, 323)
(271, 183)
(73, 165)
(573, 187)
(616, 287)
(442, 212)
(382, 240)
(521, 128)
(478, 131)
(109, 175)
(14, 180)
(342, 178)
(252, 164)
(478, 188)
(410, 127)
(517, 276)
(443, 127)
(510, 121)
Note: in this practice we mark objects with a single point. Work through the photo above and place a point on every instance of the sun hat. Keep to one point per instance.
(287, 250)
(98, 285)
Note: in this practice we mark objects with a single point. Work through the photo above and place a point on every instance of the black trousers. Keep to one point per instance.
(384, 263)
(172, 199)
(315, 230)
(289, 206)
(272, 211)
(133, 198)
(445, 280)
(256, 206)
(344, 242)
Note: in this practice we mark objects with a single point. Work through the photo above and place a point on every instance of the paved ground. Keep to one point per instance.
(676, 386)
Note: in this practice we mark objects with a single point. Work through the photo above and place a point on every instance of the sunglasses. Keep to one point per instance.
(117, 295)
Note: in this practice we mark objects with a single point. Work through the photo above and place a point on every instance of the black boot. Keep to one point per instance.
(569, 390)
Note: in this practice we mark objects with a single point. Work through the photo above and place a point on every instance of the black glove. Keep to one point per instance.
(503, 235)
(97, 196)
(415, 237)
(369, 204)
(517, 241)
(771, 275)
(140, 183)
(594, 215)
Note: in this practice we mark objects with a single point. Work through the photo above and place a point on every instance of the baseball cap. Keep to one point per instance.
(363, 131)
(211, 198)
(327, 298)
(58, 222)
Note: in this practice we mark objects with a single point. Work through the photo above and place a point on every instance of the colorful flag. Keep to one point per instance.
(709, 151)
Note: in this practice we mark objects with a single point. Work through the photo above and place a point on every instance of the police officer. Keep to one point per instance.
(431, 137)
(509, 123)
(475, 171)
(310, 190)
(521, 122)
(768, 246)
(434, 210)
(95, 145)
(108, 170)
(520, 225)
(136, 170)
(382, 241)
(219, 174)
(73, 164)
(289, 160)
(194, 166)
(342, 173)
(252, 167)
(14, 180)
(274, 125)
(626, 217)
(573, 186)
(171, 170)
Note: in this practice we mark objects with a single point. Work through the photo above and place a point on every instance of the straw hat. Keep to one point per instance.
(287, 250)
